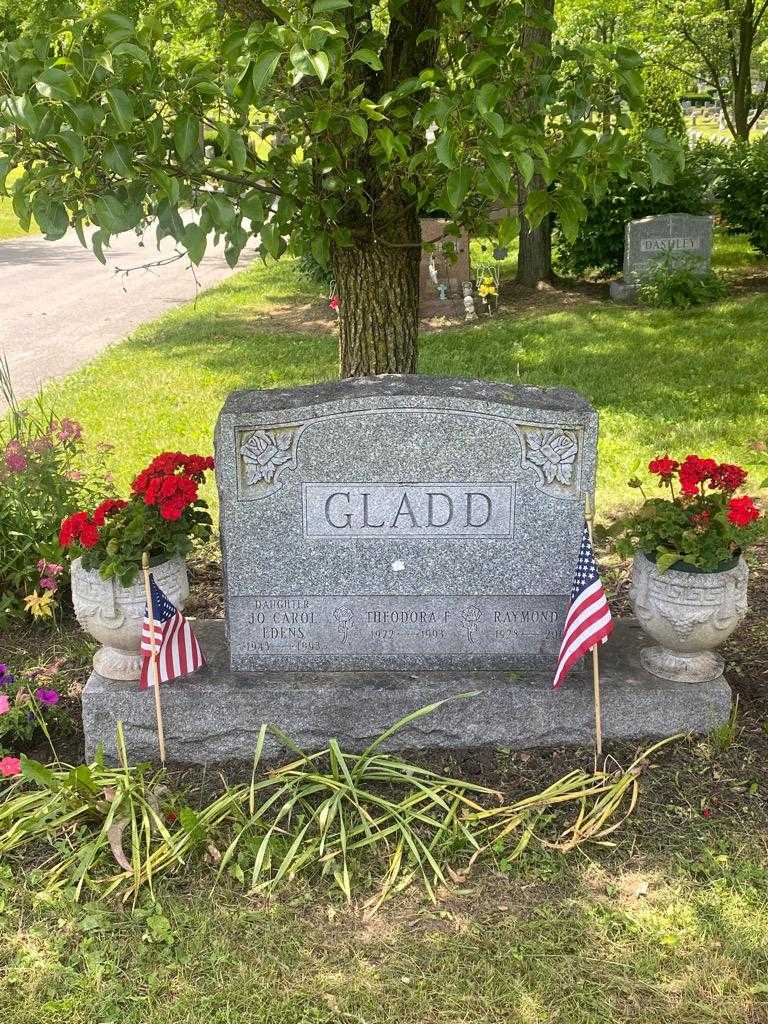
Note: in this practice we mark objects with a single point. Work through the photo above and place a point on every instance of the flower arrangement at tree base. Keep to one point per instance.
(689, 580)
(164, 517)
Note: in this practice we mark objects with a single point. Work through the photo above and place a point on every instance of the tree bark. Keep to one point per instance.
(534, 260)
(378, 290)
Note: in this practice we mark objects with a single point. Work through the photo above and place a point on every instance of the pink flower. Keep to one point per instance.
(75, 475)
(334, 304)
(49, 568)
(47, 697)
(10, 766)
(5, 704)
(15, 458)
(48, 583)
(40, 445)
(69, 430)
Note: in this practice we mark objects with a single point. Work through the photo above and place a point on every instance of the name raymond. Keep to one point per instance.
(415, 510)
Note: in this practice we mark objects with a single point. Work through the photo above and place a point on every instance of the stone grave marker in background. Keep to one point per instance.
(387, 543)
(682, 239)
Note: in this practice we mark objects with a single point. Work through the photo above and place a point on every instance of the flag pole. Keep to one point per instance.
(155, 673)
(589, 514)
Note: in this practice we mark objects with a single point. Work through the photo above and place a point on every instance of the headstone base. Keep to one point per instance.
(621, 292)
(215, 714)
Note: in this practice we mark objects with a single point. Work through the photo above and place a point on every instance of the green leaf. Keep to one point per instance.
(97, 242)
(666, 559)
(479, 63)
(21, 111)
(445, 149)
(525, 165)
(538, 205)
(358, 125)
(56, 84)
(369, 57)
(110, 214)
(117, 158)
(386, 140)
(321, 64)
(509, 228)
(132, 50)
(51, 215)
(194, 241)
(36, 772)
(264, 69)
(5, 166)
(496, 121)
(221, 209)
(252, 207)
(458, 184)
(325, 6)
(321, 249)
(72, 147)
(186, 135)
(120, 107)
(499, 167)
(272, 240)
(237, 151)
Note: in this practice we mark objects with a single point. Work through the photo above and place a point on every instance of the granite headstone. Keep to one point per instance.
(389, 543)
(401, 523)
(680, 238)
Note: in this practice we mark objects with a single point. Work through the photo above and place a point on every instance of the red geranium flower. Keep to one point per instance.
(106, 509)
(663, 467)
(70, 528)
(728, 477)
(742, 511)
(695, 471)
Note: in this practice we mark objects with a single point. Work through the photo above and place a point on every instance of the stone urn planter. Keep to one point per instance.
(113, 614)
(689, 614)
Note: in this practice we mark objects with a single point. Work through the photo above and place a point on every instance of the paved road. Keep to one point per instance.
(59, 306)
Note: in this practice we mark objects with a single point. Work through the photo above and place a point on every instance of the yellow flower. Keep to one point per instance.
(40, 606)
(486, 289)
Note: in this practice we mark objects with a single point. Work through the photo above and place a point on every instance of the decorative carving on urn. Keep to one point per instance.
(113, 614)
(689, 614)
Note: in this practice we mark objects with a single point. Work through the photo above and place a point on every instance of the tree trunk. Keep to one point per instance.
(378, 289)
(534, 259)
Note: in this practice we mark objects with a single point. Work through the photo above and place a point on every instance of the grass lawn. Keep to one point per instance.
(661, 379)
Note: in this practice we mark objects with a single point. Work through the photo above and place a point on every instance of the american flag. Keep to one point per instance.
(588, 621)
(176, 646)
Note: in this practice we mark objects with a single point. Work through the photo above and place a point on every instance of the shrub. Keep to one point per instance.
(660, 107)
(45, 475)
(599, 246)
(679, 284)
(741, 189)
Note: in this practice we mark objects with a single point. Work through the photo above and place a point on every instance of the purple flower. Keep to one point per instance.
(47, 697)
(48, 583)
(5, 676)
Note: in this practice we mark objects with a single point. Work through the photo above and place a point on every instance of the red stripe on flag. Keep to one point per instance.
(597, 630)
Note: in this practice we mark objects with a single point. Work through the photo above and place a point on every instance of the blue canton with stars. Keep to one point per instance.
(163, 608)
(586, 567)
